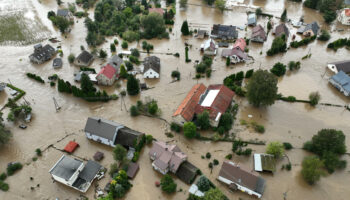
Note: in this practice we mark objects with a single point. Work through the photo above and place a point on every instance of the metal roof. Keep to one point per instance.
(102, 128)
(65, 167)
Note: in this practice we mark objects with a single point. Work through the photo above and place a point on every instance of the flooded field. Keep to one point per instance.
(285, 122)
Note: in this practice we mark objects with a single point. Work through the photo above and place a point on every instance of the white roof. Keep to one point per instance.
(209, 99)
(194, 190)
(92, 77)
(257, 163)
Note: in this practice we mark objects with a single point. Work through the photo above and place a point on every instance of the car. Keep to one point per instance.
(22, 126)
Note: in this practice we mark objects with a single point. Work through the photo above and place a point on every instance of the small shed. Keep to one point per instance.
(264, 162)
(251, 19)
(71, 146)
(98, 156)
(57, 63)
(133, 168)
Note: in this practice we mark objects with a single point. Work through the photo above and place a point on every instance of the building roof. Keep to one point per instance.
(187, 172)
(65, 167)
(209, 45)
(242, 177)
(342, 66)
(264, 162)
(313, 26)
(98, 156)
(151, 62)
(71, 146)
(188, 105)
(156, 10)
(347, 2)
(127, 137)
(342, 79)
(258, 31)
(62, 12)
(116, 61)
(251, 19)
(90, 170)
(43, 53)
(85, 57)
(102, 128)
(133, 168)
(240, 43)
(347, 12)
(224, 31)
(108, 71)
(57, 62)
(282, 29)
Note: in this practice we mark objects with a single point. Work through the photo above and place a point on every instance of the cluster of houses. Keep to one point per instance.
(341, 79)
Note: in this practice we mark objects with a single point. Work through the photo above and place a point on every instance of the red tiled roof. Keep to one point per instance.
(347, 12)
(108, 71)
(188, 105)
(240, 43)
(71, 146)
(157, 10)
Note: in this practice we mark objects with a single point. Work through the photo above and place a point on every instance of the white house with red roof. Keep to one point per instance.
(107, 75)
(344, 16)
(209, 47)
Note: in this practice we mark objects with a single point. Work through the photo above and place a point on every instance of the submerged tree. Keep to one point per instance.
(184, 28)
(132, 86)
(312, 169)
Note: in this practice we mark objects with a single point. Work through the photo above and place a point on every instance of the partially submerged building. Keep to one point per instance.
(342, 82)
(42, 53)
(280, 30)
(215, 99)
(116, 61)
(166, 157)
(65, 13)
(224, 32)
(187, 172)
(264, 163)
(344, 16)
(237, 178)
(111, 133)
(339, 66)
(251, 19)
(74, 173)
(201, 34)
(107, 75)
(309, 30)
(151, 67)
(209, 47)
(57, 63)
(84, 59)
(258, 34)
(237, 53)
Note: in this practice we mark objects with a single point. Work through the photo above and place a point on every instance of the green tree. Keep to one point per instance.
(275, 148)
(71, 58)
(190, 130)
(113, 49)
(332, 162)
(312, 169)
(132, 86)
(203, 120)
(214, 194)
(203, 184)
(176, 74)
(153, 107)
(184, 28)
(262, 88)
(86, 84)
(123, 73)
(278, 69)
(103, 54)
(226, 121)
(269, 26)
(119, 191)
(119, 153)
(314, 98)
(167, 184)
(258, 11)
(134, 111)
(125, 45)
(329, 16)
(278, 45)
(228, 61)
(284, 16)
(220, 4)
(324, 36)
(153, 25)
(62, 23)
(135, 52)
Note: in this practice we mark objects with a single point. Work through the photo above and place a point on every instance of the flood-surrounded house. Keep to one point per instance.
(116, 61)
(42, 53)
(240, 44)
(151, 67)
(251, 19)
(224, 32)
(201, 34)
(280, 30)
(209, 47)
(309, 30)
(84, 59)
(57, 63)
(344, 16)
(339, 66)
(74, 173)
(166, 157)
(237, 178)
(107, 75)
(258, 34)
(237, 53)
(215, 100)
(341, 81)
(65, 13)
(264, 162)
(111, 133)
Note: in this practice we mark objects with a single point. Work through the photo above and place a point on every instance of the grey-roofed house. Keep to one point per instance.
(280, 30)
(42, 54)
(151, 67)
(342, 82)
(111, 133)
(309, 30)
(258, 34)
(65, 13)
(57, 63)
(224, 32)
(115, 61)
(187, 172)
(251, 19)
(236, 55)
(241, 179)
(340, 66)
(74, 173)
(84, 59)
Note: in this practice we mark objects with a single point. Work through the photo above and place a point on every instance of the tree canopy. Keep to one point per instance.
(275, 148)
(203, 120)
(190, 130)
(153, 25)
(167, 184)
(312, 169)
(184, 28)
(214, 194)
(132, 86)
(119, 153)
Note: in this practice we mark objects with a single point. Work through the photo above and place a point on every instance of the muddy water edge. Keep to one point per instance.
(285, 122)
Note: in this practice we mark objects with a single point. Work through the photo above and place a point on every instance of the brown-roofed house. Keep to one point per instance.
(166, 157)
(215, 99)
(238, 178)
(133, 168)
(258, 34)
(281, 29)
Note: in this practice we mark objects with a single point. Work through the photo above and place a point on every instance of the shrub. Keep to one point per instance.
(149, 139)
(71, 58)
(190, 130)
(38, 152)
(293, 65)
(176, 74)
(136, 156)
(134, 111)
(167, 184)
(175, 127)
(129, 65)
(113, 48)
(249, 73)
(208, 155)
(259, 128)
(3, 176)
(303, 42)
(134, 59)
(125, 45)
(153, 108)
(228, 156)
(4, 186)
(52, 84)
(324, 36)
(278, 69)
(203, 184)
(312, 169)
(275, 148)
(258, 11)
(287, 145)
(116, 42)
(215, 162)
(132, 86)
(113, 169)
(119, 153)
(288, 166)
(210, 165)
(240, 76)
(103, 54)
(314, 98)
(35, 77)
(12, 168)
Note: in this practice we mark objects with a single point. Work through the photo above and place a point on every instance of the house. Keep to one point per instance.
(107, 75)
(309, 30)
(241, 179)
(151, 67)
(84, 59)
(2, 86)
(133, 168)
(215, 99)
(224, 32)
(156, 10)
(166, 157)
(236, 55)
(223, 44)
(258, 34)
(42, 54)
(240, 44)
(344, 16)
(209, 47)
(264, 162)
(92, 76)
(342, 82)
(281, 30)
(65, 13)
(57, 63)
(111, 133)
(339, 66)
(251, 19)
(74, 173)
(116, 61)
(187, 172)
(201, 34)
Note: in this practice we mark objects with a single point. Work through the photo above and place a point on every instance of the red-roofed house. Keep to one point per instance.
(240, 44)
(71, 146)
(215, 99)
(344, 16)
(156, 10)
(107, 75)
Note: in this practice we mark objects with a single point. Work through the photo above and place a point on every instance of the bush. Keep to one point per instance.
(103, 54)
(134, 59)
(259, 128)
(153, 108)
(303, 42)
(3, 176)
(132, 86)
(136, 156)
(113, 169)
(38, 152)
(332, 162)
(215, 162)
(129, 65)
(287, 145)
(203, 184)
(175, 127)
(190, 130)
(293, 65)
(210, 165)
(113, 48)
(134, 111)
(149, 139)
(135, 52)
(314, 98)
(275, 148)
(208, 155)
(125, 45)
(312, 169)
(249, 73)
(228, 156)
(12, 168)
(167, 184)
(324, 36)
(289, 166)
(278, 69)
(4, 186)
(35, 77)
(71, 58)
(176, 74)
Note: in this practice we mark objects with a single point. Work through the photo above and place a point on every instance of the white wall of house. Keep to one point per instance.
(99, 139)
(159, 170)
(72, 178)
(333, 68)
(104, 80)
(239, 187)
(150, 73)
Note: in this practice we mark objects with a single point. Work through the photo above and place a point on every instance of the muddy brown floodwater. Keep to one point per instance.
(285, 122)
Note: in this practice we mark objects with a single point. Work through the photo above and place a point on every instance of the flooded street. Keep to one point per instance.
(285, 122)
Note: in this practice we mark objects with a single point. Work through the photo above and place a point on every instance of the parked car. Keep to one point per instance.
(22, 126)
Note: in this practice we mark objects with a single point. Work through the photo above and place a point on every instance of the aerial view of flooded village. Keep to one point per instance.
(174, 99)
